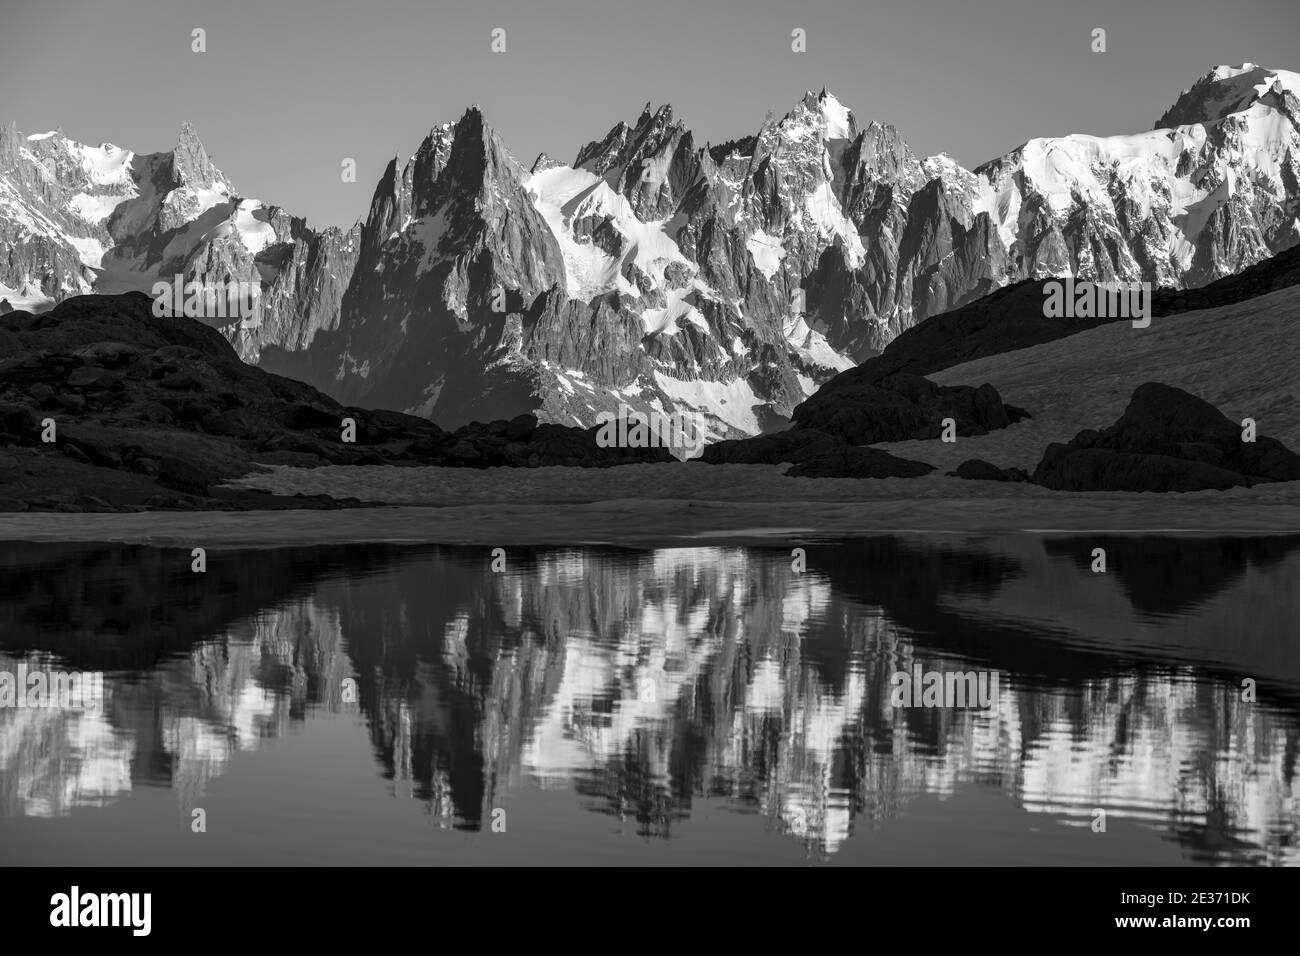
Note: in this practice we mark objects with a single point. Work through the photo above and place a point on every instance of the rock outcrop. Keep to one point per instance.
(1166, 440)
(790, 445)
(814, 454)
(902, 407)
(830, 430)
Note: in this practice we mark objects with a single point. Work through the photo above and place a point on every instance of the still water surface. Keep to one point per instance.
(685, 706)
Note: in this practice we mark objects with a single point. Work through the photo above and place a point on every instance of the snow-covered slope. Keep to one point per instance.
(76, 219)
(1226, 90)
(55, 196)
(1180, 205)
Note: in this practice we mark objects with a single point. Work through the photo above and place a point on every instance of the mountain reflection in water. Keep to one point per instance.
(644, 685)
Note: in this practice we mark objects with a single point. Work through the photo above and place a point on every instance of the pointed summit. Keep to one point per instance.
(473, 127)
(814, 101)
(839, 119)
(543, 162)
(835, 118)
(190, 160)
(189, 145)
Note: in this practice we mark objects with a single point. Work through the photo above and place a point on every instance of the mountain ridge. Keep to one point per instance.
(725, 280)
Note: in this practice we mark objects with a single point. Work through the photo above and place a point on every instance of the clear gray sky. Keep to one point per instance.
(288, 88)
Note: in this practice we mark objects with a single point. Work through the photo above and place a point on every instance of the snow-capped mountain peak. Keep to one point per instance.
(192, 165)
(1226, 90)
(723, 280)
(1210, 191)
(837, 120)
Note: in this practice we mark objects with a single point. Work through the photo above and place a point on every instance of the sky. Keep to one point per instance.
(288, 89)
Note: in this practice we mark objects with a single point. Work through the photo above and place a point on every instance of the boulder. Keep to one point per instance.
(1166, 440)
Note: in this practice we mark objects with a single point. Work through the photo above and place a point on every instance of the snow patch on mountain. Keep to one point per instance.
(766, 251)
(823, 210)
(105, 165)
(254, 231)
(731, 402)
(1226, 90)
(665, 321)
(93, 209)
(27, 295)
(838, 119)
(589, 270)
(567, 197)
(90, 249)
(194, 201)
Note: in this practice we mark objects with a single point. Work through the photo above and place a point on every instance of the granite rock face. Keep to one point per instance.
(1166, 440)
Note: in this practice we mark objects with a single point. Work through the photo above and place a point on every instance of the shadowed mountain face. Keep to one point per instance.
(656, 271)
(661, 689)
(158, 411)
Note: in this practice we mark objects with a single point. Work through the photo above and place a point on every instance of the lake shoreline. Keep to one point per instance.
(522, 520)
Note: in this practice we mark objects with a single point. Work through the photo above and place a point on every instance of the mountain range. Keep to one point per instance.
(727, 280)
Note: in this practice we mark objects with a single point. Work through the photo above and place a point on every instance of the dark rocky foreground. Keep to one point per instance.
(1166, 440)
(977, 469)
(156, 412)
(152, 413)
(815, 454)
(902, 407)
(827, 434)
